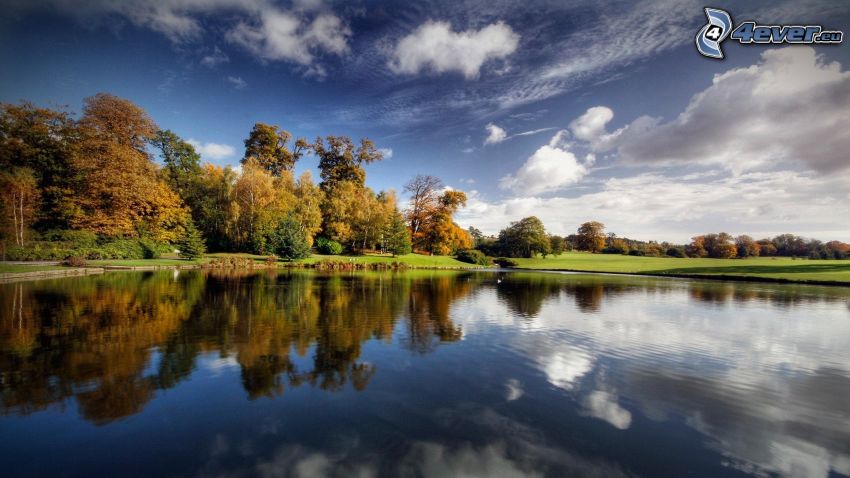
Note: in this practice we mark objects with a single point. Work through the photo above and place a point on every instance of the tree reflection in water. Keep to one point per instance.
(94, 338)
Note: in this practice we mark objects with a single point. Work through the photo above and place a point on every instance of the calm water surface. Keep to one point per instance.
(421, 374)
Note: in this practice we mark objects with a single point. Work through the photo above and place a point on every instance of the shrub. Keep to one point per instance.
(271, 260)
(74, 261)
(287, 240)
(636, 252)
(505, 262)
(471, 256)
(675, 252)
(327, 246)
(614, 250)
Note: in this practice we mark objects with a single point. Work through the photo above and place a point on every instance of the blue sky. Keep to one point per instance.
(571, 111)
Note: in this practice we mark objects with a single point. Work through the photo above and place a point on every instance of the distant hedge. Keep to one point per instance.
(60, 245)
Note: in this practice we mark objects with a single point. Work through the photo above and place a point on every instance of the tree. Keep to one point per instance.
(524, 238)
(43, 141)
(122, 193)
(288, 241)
(191, 244)
(397, 235)
(424, 200)
(340, 160)
(307, 210)
(215, 210)
(268, 146)
(746, 246)
(697, 247)
(591, 236)
(20, 201)
(439, 234)
(181, 164)
(556, 245)
(254, 195)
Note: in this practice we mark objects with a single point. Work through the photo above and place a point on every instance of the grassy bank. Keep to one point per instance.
(767, 268)
(17, 268)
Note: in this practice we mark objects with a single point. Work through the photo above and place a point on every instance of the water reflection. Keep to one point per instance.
(432, 374)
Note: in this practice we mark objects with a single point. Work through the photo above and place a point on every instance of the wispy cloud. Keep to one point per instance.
(212, 151)
(237, 82)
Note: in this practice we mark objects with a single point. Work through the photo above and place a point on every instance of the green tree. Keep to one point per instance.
(181, 164)
(287, 240)
(397, 235)
(268, 146)
(591, 236)
(556, 245)
(341, 161)
(191, 244)
(524, 238)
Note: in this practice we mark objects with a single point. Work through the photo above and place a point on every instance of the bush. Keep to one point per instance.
(74, 261)
(327, 246)
(675, 252)
(636, 252)
(614, 250)
(505, 262)
(471, 256)
(288, 242)
(271, 260)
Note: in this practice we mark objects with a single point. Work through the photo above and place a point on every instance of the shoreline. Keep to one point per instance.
(8, 277)
(715, 277)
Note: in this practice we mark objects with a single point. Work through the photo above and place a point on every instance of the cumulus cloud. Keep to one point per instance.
(550, 168)
(791, 107)
(281, 35)
(237, 82)
(387, 152)
(495, 134)
(603, 405)
(212, 150)
(436, 47)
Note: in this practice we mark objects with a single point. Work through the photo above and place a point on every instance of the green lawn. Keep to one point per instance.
(783, 268)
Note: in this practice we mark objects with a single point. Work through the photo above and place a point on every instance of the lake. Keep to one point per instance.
(421, 373)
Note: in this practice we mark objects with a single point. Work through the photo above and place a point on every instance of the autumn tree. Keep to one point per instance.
(307, 209)
(268, 146)
(424, 194)
(43, 141)
(215, 210)
(254, 194)
(440, 234)
(524, 238)
(20, 201)
(591, 236)
(746, 246)
(122, 194)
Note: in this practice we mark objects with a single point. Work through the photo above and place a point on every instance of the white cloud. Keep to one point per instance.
(387, 152)
(550, 168)
(281, 35)
(495, 134)
(467, 150)
(792, 107)
(513, 390)
(217, 57)
(676, 207)
(435, 46)
(269, 32)
(212, 150)
(237, 82)
(603, 405)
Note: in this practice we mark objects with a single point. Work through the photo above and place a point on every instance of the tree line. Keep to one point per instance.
(93, 186)
(528, 238)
